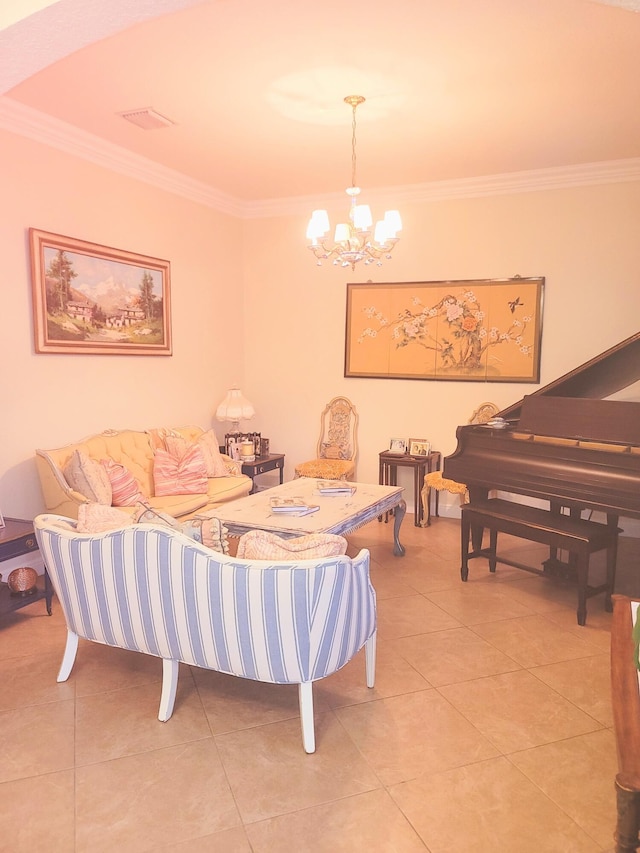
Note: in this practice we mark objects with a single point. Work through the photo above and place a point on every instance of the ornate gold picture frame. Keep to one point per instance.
(89, 298)
(486, 330)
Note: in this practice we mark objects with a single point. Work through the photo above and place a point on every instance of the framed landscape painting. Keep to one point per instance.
(485, 330)
(89, 298)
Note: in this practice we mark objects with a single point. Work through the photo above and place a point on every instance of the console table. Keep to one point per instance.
(421, 465)
(17, 538)
(262, 465)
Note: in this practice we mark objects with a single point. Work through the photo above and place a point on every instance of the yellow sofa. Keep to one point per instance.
(135, 450)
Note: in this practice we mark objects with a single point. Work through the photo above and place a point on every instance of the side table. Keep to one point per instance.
(262, 465)
(17, 538)
(389, 464)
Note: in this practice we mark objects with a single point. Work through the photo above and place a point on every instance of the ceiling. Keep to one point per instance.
(455, 90)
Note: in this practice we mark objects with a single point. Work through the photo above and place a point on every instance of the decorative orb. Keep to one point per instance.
(22, 581)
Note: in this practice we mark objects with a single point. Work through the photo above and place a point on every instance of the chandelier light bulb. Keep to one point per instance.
(353, 241)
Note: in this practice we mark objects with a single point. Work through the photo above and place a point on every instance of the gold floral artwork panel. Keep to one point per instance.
(470, 330)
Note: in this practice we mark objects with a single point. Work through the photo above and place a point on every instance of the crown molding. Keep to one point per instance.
(510, 183)
(25, 121)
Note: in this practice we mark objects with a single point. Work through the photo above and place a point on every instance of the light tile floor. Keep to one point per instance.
(489, 728)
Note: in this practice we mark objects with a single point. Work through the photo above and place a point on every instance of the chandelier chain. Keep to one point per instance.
(353, 146)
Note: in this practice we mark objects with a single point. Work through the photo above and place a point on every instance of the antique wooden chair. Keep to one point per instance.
(435, 480)
(337, 445)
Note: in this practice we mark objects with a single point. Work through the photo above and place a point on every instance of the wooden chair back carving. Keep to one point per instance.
(338, 437)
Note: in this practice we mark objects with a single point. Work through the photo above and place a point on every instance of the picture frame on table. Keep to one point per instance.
(398, 445)
(92, 299)
(419, 447)
(2, 521)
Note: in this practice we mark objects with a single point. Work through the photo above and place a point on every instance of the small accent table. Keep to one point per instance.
(17, 538)
(263, 464)
(389, 464)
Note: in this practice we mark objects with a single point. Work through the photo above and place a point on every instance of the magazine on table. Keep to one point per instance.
(335, 487)
(292, 506)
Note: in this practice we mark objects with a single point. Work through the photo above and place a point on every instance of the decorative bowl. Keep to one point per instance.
(22, 581)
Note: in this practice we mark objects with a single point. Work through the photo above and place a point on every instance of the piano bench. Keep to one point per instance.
(579, 537)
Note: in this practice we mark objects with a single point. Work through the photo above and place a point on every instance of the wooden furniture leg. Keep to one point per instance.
(628, 803)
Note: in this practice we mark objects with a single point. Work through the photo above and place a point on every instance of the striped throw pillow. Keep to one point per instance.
(179, 475)
(125, 489)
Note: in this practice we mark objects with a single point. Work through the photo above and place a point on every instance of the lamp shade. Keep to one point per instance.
(235, 407)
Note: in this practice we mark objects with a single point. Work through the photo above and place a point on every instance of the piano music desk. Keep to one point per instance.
(579, 537)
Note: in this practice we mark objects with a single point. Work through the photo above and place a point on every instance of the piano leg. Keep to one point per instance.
(477, 493)
(465, 528)
(466, 531)
(493, 546)
(612, 556)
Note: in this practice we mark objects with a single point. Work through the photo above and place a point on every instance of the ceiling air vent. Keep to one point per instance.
(147, 118)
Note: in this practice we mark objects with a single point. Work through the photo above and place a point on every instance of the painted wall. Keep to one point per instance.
(250, 306)
(49, 400)
(582, 240)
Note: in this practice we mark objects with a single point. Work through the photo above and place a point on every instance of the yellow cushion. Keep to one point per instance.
(326, 469)
(435, 480)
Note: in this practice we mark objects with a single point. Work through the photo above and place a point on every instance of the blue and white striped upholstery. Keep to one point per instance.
(152, 589)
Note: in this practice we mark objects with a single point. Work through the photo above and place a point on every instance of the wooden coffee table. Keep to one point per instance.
(339, 514)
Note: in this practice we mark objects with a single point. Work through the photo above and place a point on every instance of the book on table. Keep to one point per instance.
(335, 487)
(292, 506)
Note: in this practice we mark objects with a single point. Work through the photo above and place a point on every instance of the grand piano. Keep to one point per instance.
(565, 443)
(569, 445)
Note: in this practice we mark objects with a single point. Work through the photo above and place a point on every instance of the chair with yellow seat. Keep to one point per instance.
(435, 480)
(337, 445)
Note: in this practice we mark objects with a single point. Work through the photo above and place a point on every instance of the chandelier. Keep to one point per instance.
(352, 241)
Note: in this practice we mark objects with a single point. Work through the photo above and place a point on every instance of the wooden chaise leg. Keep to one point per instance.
(170, 669)
(305, 700)
(69, 656)
(370, 659)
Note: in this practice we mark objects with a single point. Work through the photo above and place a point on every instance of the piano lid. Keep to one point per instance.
(602, 376)
(581, 419)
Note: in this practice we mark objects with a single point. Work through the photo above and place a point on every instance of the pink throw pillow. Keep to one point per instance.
(184, 475)
(97, 518)
(125, 489)
(208, 442)
(264, 545)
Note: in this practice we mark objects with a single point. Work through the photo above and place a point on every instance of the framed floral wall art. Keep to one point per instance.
(486, 330)
(89, 298)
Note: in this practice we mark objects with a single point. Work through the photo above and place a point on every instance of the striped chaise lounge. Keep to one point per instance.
(152, 589)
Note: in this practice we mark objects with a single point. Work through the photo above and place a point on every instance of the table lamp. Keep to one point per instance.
(234, 408)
